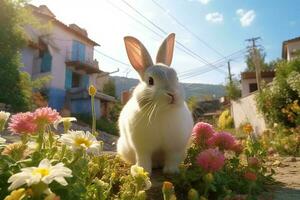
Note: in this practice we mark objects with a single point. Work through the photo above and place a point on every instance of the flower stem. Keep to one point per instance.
(93, 116)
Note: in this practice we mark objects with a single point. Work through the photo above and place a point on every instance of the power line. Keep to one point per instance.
(181, 47)
(187, 29)
(162, 30)
(219, 61)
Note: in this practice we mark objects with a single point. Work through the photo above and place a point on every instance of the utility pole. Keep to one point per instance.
(255, 60)
(229, 72)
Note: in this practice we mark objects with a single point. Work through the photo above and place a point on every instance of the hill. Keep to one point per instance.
(191, 89)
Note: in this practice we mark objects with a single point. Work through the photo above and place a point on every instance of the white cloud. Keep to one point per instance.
(204, 2)
(214, 17)
(246, 17)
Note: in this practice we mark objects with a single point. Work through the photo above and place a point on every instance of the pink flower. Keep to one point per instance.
(22, 123)
(250, 176)
(45, 115)
(253, 162)
(202, 131)
(211, 160)
(223, 140)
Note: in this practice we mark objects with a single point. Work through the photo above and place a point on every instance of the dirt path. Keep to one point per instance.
(288, 177)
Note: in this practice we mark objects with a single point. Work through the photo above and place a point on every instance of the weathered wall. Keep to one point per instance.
(244, 110)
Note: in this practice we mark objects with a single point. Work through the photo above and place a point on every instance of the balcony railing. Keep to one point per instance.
(82, 62)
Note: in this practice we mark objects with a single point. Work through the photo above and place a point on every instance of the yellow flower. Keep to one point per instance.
(168, 186)
(247, 128)
(16, 194)
(92, 90)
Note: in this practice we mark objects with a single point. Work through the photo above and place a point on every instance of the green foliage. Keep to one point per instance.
(12, 39)
(275, 100)
(260, 56)
(285, 141)
(16, 86)
(110, 88)
(225, 120)
(232, 89)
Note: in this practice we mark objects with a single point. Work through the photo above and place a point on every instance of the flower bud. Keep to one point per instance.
(208, 178)
(193, 194)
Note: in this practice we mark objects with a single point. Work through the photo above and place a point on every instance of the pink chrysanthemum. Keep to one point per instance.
(45, 115)
(250, 176)
(202, 131)
(223, 140)
(211, 160)
(22, 123)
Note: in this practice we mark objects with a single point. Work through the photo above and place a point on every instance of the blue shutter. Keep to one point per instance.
(75, 50)
(68, 79)
(85, 80)
(78, 51)
(46, 62)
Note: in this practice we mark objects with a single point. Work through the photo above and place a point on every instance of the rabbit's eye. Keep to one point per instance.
(151, 81)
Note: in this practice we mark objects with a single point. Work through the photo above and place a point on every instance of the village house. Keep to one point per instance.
(249, 83)
(66, 53)
(291, 48)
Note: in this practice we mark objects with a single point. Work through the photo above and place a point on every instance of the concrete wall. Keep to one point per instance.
(244, 110)
(292, 47)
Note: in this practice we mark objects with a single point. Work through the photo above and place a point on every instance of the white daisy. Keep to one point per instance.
(80, 139)
(2, 140)
(3, 118)
(4, 115)
(65, 120)
(45, 173)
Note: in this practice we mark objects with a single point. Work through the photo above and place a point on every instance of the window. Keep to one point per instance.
(252, 87)
(76, 79)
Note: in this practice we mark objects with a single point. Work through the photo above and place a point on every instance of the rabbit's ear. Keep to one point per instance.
(138, 55)
(165, 52)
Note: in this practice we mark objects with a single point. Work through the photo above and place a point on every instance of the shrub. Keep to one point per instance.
(225, 120)
(275, 100)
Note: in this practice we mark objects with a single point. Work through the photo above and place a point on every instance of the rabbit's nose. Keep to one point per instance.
(172, 97)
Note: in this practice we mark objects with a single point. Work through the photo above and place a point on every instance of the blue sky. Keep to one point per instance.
(222, 24)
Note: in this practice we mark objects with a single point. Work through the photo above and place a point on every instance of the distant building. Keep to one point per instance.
(249, 84)
(66, 53)
(291, 48)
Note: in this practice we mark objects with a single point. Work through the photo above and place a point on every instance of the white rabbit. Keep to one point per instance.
(155, 124)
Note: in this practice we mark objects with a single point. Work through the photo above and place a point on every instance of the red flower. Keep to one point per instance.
(22, 123)
(250, 176)
(211, 160)
(202, 131)
(223, 140)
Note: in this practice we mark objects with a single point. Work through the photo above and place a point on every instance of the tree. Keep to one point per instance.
(12, 39)
(110, 88)
(261, 55)
(232, 89)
